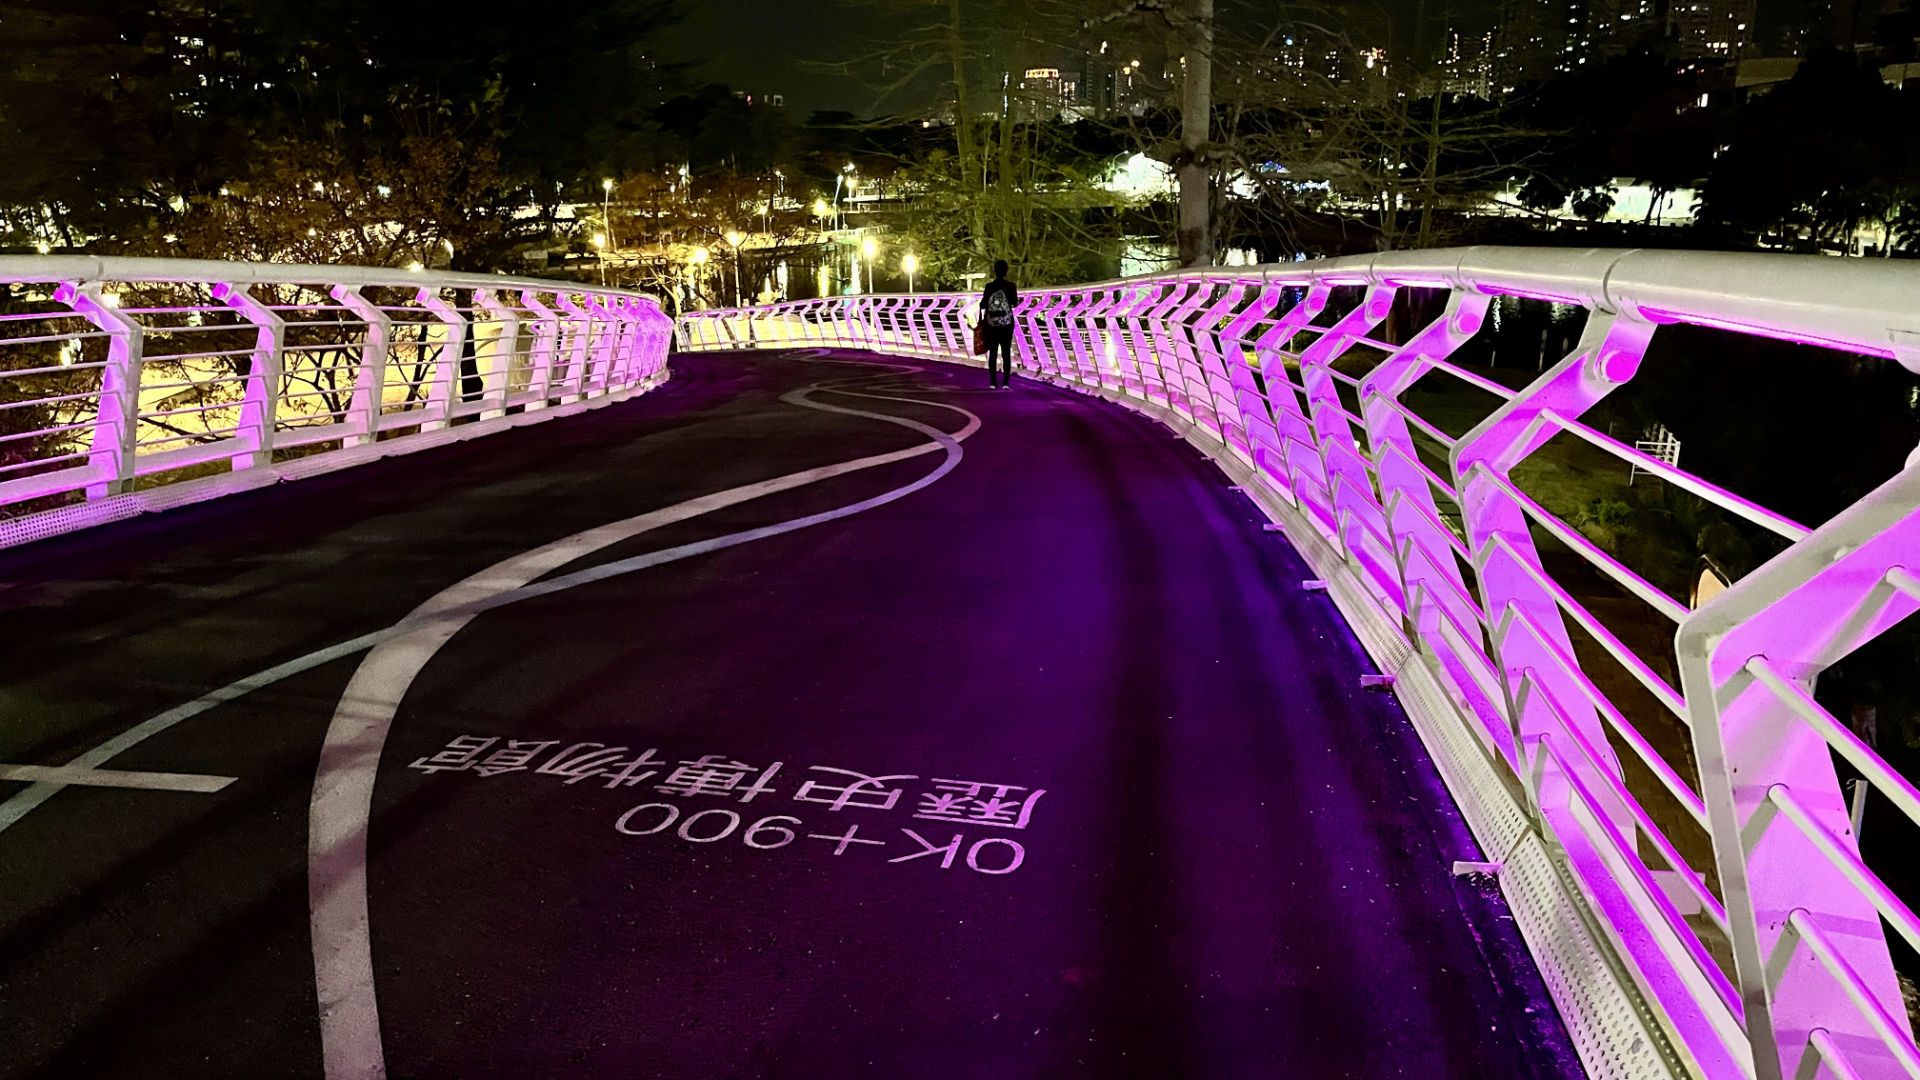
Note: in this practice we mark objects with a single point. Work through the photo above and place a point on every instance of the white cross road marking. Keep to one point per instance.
(120, 778)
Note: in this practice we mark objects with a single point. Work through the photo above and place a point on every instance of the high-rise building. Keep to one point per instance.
(1047, 93)
(1467, 66)
(1709, 29)
(1615, 26)
(1531, 41)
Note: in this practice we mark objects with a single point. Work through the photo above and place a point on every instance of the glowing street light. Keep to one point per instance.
(416, 266)
(606, 206)
(869, 248)
(699, 256)
(911, 264)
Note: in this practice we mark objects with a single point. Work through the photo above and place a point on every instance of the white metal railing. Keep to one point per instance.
(129, 384)
(1764, 954)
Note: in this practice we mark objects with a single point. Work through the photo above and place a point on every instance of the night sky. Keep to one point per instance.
(775, 46)
(765, 46)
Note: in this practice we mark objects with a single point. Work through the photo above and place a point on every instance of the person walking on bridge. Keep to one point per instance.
(996, 325)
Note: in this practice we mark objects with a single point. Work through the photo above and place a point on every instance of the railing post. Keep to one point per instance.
(1342, 470)
(605, 346)
(259, 409)
(1498, 532)
(370, 371)
(496, 363)
(1248, 405)
(445, 394)
(632, 332)
(1396, 462)
(1798, 614)
(1291, 429)
(1204, 327)
(546, 342)
(576, 352)
(116, 420)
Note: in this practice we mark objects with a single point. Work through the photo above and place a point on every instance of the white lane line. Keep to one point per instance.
(120, 778)
(356, 1019)
(342, 803)
(25, 802)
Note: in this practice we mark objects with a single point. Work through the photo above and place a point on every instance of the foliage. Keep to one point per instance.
(1653, 132)
(1006, 180)
(434, 199)
(1825, 152)
(128, 117)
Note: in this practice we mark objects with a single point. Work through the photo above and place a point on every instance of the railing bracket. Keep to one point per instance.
(1468, 867)
(1314, 585)
(1376, 682)
(1272, 527)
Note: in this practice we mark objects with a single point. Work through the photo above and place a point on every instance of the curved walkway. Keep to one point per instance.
(813, 715)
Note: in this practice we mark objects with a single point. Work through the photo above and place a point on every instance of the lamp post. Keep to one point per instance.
(911, 264)
(600, 254)
(869, 248)
(734, 237)
(606, 207)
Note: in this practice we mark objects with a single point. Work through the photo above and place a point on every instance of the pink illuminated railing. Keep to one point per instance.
(1686, 799)
(131, 384)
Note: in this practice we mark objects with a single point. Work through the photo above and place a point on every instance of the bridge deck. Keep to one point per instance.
(1238, 867)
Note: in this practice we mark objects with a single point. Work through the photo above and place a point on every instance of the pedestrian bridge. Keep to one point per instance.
(1252, 692)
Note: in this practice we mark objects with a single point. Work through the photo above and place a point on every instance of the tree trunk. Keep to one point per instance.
(1430, 174)
(1196, 110)
(965, 146)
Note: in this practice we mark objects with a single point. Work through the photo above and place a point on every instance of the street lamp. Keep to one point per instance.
(869, 248)
(606, 206)
(821, 210)
(911, 264)
(734, 237)
(600, 248)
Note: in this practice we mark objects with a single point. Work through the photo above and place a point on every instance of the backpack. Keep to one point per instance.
(998, 311)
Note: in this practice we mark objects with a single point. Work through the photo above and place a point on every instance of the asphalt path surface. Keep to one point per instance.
(813, 715)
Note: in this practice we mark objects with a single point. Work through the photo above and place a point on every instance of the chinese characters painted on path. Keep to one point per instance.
(960, 803)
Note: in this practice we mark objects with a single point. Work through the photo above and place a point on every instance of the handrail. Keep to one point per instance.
(128, 378)
(1215, 335)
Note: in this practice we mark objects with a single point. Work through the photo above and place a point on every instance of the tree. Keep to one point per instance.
(1006, 178)
(127, 115)
(1653, 132)
(1823, 153)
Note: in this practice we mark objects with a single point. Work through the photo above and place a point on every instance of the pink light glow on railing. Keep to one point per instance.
(1438, 559)
(1188, 348)
(1527, 293)
(1761, 330)
(615, 344)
